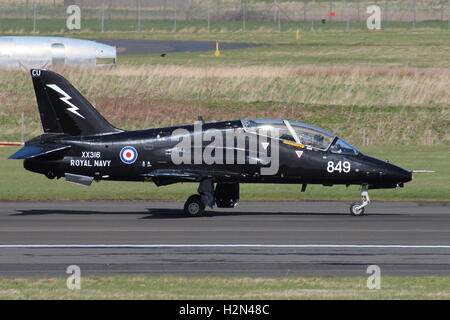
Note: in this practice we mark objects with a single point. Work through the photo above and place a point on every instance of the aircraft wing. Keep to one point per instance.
(168, 176)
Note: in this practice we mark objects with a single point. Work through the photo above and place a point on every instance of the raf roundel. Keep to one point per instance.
(128, 155)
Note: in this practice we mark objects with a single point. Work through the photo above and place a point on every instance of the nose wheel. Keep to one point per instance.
(358, 208)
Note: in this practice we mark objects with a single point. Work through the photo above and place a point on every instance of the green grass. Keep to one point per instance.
(424, 48)
(18, 184)
(217, 288)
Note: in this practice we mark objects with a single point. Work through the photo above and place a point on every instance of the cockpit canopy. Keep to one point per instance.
(342, 147)
(300, 133)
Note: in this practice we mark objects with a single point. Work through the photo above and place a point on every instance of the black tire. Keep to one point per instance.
(194, 206)
(354, 211)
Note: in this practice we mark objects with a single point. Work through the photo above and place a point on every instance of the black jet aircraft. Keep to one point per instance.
(81, 146)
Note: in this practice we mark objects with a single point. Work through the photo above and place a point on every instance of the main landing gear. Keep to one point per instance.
(357, 208)
(224, 195)
(195, 204)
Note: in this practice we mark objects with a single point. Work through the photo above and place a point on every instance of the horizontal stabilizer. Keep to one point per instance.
(28, 152)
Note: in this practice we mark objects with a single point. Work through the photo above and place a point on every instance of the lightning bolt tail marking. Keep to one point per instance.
(65, 98)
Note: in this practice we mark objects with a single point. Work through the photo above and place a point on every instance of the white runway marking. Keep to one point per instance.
(341, 246)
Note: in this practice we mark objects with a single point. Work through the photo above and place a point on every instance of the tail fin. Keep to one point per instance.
(63, 109)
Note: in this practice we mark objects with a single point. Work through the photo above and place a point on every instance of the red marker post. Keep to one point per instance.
(10, 144)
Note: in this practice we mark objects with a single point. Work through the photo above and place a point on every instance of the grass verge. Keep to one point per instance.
(216, 288)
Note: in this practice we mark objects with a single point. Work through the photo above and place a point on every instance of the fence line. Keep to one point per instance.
(217, 15)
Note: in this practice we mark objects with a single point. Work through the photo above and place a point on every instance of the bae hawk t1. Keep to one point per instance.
(79, 145)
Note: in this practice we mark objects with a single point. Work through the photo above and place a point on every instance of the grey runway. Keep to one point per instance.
(40, 239)
(131, 46)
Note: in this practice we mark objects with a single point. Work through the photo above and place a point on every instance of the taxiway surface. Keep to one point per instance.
(40, 239)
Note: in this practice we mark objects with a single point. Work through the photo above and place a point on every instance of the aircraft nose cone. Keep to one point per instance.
(398, 174)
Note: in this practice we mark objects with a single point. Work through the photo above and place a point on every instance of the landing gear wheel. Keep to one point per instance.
(194, 206)
(356, 210)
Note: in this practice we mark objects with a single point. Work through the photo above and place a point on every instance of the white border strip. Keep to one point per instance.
(330, 246)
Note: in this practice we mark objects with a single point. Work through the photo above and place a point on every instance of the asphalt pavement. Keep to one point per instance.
(267, 239)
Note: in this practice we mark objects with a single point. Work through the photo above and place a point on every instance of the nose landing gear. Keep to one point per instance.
(357, 208)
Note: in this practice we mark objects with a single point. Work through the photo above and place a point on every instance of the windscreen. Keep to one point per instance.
(342, 147)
